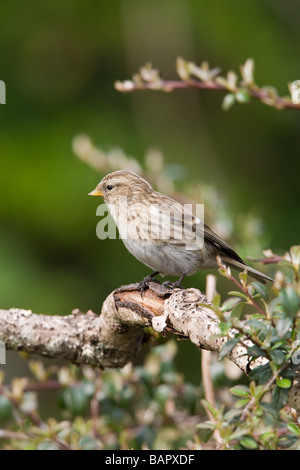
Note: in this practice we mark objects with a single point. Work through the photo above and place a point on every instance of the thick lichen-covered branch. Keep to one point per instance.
(115, 337)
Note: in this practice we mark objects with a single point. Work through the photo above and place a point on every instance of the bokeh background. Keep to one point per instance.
(59, 61)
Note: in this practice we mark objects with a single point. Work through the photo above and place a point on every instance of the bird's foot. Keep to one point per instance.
(175, 284)
(144, 284)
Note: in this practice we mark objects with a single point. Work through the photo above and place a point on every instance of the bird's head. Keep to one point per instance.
(122, 183)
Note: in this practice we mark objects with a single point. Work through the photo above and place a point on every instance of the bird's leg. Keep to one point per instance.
(175, 284)
(144, 283)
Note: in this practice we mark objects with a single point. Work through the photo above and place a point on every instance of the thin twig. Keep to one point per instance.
(171, 85)
(206, 356)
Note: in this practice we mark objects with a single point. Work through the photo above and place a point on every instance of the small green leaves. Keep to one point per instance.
(270, 338)
(241, 95)
(290, 301)
(6, 409)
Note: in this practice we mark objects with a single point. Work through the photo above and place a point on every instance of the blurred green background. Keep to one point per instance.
(59, 61)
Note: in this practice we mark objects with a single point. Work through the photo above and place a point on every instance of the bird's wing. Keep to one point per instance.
(175, 223)
(221, 246)
(230, 257)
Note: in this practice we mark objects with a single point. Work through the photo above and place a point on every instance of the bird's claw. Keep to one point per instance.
(144, 284)
(173, 285)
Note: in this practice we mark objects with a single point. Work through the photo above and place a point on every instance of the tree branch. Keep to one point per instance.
(202, 77)
(116, 336)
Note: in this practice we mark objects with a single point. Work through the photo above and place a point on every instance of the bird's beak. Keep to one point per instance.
(96, 192)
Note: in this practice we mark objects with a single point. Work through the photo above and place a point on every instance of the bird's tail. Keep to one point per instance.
(252, 272)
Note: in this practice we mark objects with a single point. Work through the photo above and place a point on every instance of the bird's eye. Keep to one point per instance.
(109, 187)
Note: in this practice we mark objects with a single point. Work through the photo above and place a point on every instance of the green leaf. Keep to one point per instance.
(270, 410)
(229, 304)
(242, 96)
(74, 399)
(237, 310)
(279, 397)
(257, 325)
(290, 301)
(228, 101)
(256, 351)
(240, 391)
(224, 327)
(227, 348)
(248, 443)
(162, 393)
(238, 294)
(88, 443)
(284, 383)
(287, 441)
(261, 374)
(267, 436)
(210, 408)
(280, 344)
(283, 325)
(6, 408)
(257, 391)
(243, 278)
(216, 301)
(261, 289)
(294, 428)
(241, 403)
(206, 425)
(278, 356)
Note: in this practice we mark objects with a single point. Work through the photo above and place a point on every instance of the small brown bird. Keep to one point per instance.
(162, 233)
